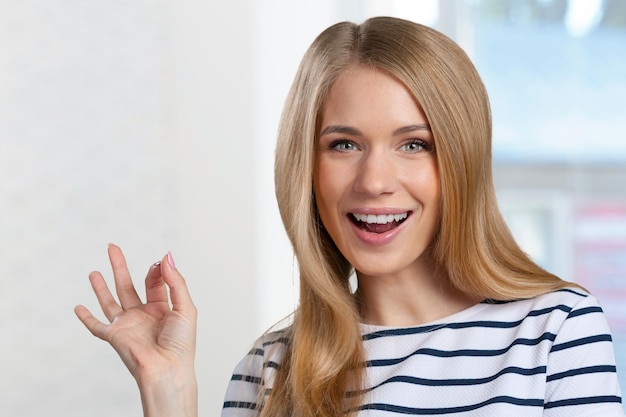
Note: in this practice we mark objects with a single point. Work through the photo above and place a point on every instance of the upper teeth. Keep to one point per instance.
(381, 218)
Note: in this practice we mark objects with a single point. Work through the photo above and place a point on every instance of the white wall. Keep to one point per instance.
(213, 132)
(84, 149)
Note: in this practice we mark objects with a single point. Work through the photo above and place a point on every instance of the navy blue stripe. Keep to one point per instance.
(584, 341)
(584, 400)
(498, 302)
(282, 340)
(402, 331)
(261, 352)
(463, 352)
(572, 291)
(586, 310)
(451, 410)
(256, 352)
(494, 301)
(240, 404)
(582, 371)
(461, 382)
(547, 310)
(464, 325)
(246, 378)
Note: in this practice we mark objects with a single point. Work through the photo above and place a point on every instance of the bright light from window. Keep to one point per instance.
(583, 16)
(423, 11)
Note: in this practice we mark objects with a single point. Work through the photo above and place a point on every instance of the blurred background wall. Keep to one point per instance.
(151, 124)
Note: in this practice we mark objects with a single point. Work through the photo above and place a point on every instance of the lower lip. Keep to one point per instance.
(377, 239)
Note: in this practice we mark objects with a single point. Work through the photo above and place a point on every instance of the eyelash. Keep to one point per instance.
(425, 146)
(336, 143)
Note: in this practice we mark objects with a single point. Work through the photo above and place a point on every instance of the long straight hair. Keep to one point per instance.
(323, 364)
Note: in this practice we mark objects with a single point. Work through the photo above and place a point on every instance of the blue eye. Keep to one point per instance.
(342, 146)
(415, 145)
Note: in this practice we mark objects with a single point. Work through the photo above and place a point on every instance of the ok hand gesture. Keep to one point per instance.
(156, 339)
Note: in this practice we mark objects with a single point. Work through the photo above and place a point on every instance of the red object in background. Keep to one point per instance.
(600, 257)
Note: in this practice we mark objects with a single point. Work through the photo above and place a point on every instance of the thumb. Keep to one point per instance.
(179, 292)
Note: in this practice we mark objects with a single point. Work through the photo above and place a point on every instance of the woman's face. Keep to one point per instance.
(376, 179)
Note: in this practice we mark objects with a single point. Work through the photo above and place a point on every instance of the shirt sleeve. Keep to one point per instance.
(242, 394)
(581, 373)
(253, 377)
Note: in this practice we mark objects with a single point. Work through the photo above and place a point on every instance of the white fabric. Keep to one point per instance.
(550, 356)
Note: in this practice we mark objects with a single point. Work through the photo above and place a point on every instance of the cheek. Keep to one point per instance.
(424, 183)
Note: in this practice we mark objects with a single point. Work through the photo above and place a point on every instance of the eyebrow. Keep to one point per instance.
(355, 132)
(340, 129)
(411, 128)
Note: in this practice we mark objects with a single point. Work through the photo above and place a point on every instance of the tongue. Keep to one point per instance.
(378, 228)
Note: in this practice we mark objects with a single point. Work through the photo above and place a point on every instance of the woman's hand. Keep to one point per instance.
(155, 340)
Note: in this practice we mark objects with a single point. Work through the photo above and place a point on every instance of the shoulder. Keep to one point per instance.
(571, 319)
(570, 298)
(581, 375)
(554, 311)
(254, 375)
(556, 304)
(266, 352)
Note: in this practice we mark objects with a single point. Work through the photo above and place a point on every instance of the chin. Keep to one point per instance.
(378, 269)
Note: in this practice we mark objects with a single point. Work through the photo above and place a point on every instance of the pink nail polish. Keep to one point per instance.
(170, 259)
(156, 264)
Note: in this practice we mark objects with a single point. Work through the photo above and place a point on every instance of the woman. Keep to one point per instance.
(383, 168)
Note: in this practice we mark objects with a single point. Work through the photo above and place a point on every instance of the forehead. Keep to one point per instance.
(364, 95)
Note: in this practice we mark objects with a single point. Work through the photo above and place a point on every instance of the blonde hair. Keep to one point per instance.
(324, 361)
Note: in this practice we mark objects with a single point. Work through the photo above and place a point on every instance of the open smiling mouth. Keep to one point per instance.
(381, 223)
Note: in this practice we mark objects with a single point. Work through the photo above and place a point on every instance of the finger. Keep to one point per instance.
(95, 326)
(123, 284)
(179, 293)
(109, 306)
(156, 291)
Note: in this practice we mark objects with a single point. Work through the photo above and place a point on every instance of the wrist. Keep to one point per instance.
(169, 394)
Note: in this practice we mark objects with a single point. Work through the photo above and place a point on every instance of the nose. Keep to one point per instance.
(376, 174)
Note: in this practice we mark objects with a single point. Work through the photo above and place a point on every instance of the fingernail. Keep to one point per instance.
(170, 260)
(156, 264)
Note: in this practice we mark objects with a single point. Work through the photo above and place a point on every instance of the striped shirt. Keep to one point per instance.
(549, 356)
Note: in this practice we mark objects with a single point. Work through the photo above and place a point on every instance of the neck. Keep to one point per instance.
(412, 297)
